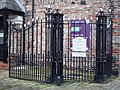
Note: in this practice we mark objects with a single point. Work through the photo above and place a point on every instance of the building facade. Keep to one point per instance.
(80, 9)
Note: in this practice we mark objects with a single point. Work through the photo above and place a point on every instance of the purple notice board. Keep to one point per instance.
(80, 29)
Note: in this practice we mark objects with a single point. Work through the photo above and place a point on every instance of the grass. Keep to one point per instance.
(68, 85)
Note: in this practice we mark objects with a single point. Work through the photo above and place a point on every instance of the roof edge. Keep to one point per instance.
(20, 5)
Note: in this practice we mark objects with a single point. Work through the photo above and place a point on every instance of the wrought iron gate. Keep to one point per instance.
(52, 50)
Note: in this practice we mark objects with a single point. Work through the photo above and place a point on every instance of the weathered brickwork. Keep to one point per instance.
(80, 11)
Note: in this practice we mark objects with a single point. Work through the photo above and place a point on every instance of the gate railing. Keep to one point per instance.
(55, 51)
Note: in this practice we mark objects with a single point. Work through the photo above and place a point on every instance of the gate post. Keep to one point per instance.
(57, 48)
(23, 54)
(102, 55)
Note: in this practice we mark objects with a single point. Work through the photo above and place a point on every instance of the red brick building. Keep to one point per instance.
(80, 9)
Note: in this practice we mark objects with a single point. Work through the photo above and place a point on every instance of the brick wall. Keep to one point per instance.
(81, 11)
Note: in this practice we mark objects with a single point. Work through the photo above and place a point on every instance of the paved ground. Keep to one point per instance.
(15, 84)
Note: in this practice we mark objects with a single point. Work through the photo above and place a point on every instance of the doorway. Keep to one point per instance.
(3, 46)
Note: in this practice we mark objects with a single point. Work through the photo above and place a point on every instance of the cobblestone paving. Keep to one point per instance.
(15, 84)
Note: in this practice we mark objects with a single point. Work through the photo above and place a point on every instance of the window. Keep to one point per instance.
(83, 2)
(1, 31)
(45, 2)
(1, 37)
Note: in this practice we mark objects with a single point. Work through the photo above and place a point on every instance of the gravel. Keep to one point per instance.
(16, 84)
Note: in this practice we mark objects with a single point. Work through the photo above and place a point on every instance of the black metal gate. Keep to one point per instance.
(52, 50)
